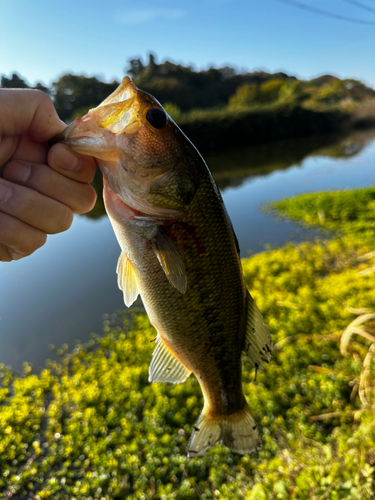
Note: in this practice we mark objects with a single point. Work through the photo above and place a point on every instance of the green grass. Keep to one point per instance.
(350, 213)
(91, 425)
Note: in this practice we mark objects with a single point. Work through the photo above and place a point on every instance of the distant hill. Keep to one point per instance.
(182, 89)
(322, 80)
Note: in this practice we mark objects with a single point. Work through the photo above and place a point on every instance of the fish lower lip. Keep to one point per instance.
(64, 135)
(59, 137)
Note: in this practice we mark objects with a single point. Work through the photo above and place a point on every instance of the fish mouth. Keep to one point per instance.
(104, 133)
(94, 133)
(83, 137)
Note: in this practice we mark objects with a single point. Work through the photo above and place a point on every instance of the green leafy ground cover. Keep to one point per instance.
(92, 427)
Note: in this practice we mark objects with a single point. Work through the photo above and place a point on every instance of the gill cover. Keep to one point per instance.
(146, 159)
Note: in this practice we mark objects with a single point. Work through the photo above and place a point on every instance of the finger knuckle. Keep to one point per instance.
(43, 97)
(40, 241)
(28, 245)
(62, 221)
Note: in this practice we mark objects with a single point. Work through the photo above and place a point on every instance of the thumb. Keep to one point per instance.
(28, 111)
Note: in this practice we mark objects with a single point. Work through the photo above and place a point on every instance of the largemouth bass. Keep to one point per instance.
(180, 253)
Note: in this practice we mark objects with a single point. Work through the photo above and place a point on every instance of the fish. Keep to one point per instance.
(179, 252)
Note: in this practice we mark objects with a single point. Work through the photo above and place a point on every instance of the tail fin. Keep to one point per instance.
(238, 432)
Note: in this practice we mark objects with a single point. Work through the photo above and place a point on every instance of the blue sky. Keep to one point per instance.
(43, 39)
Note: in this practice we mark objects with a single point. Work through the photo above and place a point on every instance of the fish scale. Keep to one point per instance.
(180, 253)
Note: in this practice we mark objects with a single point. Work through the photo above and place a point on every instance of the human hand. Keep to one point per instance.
(40, 188)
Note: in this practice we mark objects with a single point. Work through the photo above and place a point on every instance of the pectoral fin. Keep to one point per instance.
(171, 261)
(127, 279)
(258, 343)
(165, 367)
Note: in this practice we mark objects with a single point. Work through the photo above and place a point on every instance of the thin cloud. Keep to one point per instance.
(146, 15)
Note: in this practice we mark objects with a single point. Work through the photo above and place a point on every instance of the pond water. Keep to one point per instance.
(60, 294)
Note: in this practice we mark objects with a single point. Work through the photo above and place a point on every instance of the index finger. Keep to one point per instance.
(31, 111)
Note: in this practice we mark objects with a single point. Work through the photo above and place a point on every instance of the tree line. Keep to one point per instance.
(182, 88)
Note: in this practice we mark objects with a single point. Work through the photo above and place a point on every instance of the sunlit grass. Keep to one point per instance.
(91, 425)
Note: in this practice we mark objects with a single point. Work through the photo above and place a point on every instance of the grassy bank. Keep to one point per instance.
(91, 426)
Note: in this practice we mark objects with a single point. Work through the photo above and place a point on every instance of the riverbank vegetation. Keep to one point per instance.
(221, 107)
(91, 426)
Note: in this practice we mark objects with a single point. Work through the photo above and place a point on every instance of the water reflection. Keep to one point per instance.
(233, 167)
(60, 293)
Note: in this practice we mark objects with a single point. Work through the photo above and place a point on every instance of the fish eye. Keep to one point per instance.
(156, 117)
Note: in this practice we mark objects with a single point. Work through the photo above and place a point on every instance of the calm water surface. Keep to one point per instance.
(59, 294)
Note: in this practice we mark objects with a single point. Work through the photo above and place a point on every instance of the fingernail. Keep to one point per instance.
(5, 192)
(66, 160)
(18, 173)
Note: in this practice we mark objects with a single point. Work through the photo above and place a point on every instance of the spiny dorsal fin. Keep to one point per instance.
(170, 260)
(127, 279)
(258, 343)
(165, 367)
(237, 431)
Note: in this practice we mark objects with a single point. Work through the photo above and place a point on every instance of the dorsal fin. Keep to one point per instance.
(258, 343)
(165, 367)
(170, 260)
(127, 279)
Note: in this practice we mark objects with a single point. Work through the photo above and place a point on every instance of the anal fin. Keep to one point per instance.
(127, 279)
(165, 367)
(258, 343)
(170, 260)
